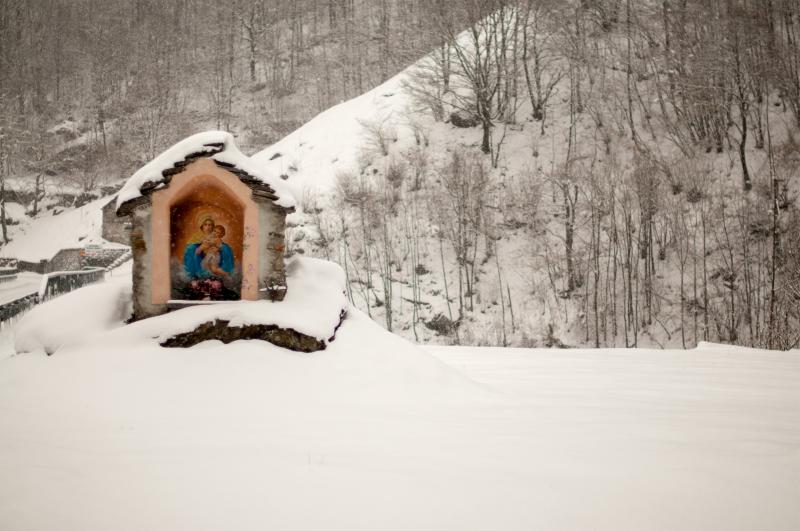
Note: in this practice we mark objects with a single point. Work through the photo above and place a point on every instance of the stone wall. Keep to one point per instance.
(33, 267)
(115, 229)
(101, 257)
(272, 229)
(64, 260)
(141, 243)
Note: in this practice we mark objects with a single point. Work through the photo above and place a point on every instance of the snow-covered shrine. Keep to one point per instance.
(207, 225)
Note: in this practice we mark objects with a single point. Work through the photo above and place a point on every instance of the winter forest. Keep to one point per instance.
(602, 173)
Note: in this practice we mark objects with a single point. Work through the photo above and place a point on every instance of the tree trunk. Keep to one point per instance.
(3, 209)
(486, 142)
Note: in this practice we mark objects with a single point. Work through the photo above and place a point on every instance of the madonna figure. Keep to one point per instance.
(208, 263)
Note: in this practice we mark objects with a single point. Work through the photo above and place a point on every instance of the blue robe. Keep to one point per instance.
(192, 262)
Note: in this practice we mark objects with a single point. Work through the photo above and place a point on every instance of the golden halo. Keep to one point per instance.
(201, 216)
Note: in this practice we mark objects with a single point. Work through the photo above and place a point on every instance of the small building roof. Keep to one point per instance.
(218, 146)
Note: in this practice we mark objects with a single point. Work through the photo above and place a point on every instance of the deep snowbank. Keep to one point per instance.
(76, 317)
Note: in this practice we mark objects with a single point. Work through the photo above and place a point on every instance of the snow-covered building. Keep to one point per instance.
(63, 260)
(207, 225)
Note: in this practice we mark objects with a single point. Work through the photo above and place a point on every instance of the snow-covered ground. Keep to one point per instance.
(377, 433)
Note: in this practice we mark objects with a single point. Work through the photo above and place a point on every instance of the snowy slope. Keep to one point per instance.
(523, 215)
(42, 237)
(337, 142)
(310, 157)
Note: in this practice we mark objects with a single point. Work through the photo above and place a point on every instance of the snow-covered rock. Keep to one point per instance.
(314, 304)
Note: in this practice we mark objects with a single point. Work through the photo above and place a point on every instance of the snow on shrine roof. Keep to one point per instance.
(220, 147)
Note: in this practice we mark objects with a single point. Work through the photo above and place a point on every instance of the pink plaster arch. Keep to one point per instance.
(206, 173)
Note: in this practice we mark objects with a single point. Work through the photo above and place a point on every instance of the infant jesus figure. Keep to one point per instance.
(211, 245)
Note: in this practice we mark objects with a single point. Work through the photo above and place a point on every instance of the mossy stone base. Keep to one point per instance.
(220, 330)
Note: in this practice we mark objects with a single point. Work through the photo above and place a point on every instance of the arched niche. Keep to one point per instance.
(203, 191)
(216, 273)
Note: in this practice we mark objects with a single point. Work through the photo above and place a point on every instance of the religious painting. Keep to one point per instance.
(206, 244)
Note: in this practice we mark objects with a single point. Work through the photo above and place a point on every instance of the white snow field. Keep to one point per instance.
(375, 433)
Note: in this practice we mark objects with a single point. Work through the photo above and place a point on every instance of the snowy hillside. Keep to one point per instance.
(569, 232)
(604, 201)
(42, 237)
(310, 157)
